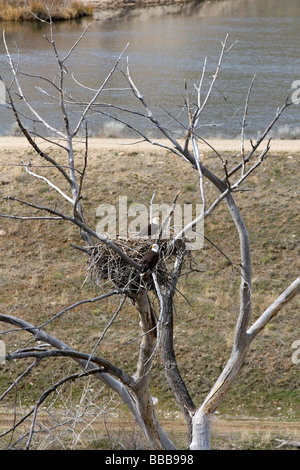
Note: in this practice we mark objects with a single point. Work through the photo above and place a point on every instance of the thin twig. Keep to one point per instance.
(244, 125)
(106, 329)
(81, 302)
(52, 185)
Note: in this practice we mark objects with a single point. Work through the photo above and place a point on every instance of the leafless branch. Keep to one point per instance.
(20, 217)
(81, 302)
(80, 224)
(274, 308)
(261, 138)
(94, 98)
(107, 327)
(52, 185)
(167, 219)
(244, 124)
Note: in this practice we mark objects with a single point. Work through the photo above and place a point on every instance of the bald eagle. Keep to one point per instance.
(150, 259)
(151, 229)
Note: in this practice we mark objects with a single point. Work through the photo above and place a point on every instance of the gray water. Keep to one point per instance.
(165, 50)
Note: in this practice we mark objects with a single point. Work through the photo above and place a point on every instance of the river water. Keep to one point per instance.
(166, 50)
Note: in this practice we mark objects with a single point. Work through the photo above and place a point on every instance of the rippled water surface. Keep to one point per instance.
(165, 50)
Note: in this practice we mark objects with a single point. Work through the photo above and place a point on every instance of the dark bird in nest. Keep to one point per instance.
(150, 259)
(151, 229)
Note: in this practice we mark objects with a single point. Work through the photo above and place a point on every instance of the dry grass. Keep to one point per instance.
(18, 10)
(41, 274)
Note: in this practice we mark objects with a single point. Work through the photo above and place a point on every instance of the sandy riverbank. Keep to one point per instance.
(221, 145)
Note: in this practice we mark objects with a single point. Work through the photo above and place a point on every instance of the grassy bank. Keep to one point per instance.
(41, 275)
(18, 10)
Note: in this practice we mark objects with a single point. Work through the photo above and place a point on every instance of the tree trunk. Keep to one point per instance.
(204, 415)
(172, 372)
(201, 430)
(154, 433)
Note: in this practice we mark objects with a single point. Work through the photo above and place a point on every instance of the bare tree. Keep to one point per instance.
(119, 261)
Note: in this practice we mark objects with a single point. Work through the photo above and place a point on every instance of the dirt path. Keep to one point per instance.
(226, 433)
(221, 145)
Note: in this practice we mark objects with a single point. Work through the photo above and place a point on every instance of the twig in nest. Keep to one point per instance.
(105, 264)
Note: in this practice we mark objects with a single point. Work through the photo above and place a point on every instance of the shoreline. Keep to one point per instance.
(119, 144)
(106, 10)
(138, 4)
(98, 9)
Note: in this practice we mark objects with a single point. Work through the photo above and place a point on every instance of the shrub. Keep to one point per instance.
(16, 10)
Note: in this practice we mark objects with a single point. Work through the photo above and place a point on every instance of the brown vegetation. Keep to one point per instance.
(18, 10)
(40, 275)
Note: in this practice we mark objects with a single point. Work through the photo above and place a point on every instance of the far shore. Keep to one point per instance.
(126, 145)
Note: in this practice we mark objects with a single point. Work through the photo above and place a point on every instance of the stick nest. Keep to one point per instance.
(107, 265)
